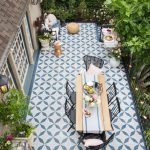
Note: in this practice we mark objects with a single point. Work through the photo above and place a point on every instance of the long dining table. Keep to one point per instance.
(101, 113)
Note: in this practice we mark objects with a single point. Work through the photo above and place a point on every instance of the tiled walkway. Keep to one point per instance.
(48, 95)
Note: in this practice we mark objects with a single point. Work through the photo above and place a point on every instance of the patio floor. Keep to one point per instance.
(48, 95)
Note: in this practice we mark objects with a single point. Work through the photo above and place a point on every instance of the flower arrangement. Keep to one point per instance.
(44, 35)
(116, 52)
(6, 142)
(42, 32)
(91, 100)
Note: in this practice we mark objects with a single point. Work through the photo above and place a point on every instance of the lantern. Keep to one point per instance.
(3, 84)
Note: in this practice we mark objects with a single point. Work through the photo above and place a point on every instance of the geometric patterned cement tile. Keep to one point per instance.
(48, 95)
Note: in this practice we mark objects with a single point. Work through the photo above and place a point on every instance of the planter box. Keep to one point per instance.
(23, 142)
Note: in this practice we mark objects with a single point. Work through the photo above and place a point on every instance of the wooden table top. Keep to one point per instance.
(104, 104)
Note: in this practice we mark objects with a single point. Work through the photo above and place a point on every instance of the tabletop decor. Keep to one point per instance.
(86, 113)
(88, 88)
(92, 91)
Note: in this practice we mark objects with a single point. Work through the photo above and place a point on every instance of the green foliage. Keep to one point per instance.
(132, 22)
(6, 142)
(14, 107)
(23, 130)
(141, 87)
(116, 52)
(46, 4)
(62, 13)
(44, 36)
(71, 4)
(147, 134)
(81, 10)
(143, 105)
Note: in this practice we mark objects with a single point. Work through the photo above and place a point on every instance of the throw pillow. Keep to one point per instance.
(94, 70)
(50, 20)
(92, 142)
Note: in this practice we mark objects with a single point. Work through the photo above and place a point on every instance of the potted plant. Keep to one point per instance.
(44, 37)
(6, 142)
(13, 109)
(23, 133)
(115, 57)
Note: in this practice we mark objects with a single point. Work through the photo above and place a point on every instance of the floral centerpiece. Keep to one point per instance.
(92, 91)
(6, 142)
(92, 100)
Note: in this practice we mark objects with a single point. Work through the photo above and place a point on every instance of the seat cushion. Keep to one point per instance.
(92, 142)
(93, 70)
(73, 27)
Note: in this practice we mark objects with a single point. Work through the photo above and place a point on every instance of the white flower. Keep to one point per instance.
(22, 132)
(87, 98)
(7, 143)
(92, 104)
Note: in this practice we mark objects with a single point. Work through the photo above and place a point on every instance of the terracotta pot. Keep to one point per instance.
(57, 45)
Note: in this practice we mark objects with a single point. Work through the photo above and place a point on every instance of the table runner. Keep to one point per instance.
(94, 123)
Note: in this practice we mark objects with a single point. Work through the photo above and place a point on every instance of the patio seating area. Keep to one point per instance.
(49, 94)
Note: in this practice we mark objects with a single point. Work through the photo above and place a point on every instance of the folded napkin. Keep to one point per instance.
(92, 142)
(93, 70)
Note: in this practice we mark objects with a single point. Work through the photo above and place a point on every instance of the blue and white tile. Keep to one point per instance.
(48, 94)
